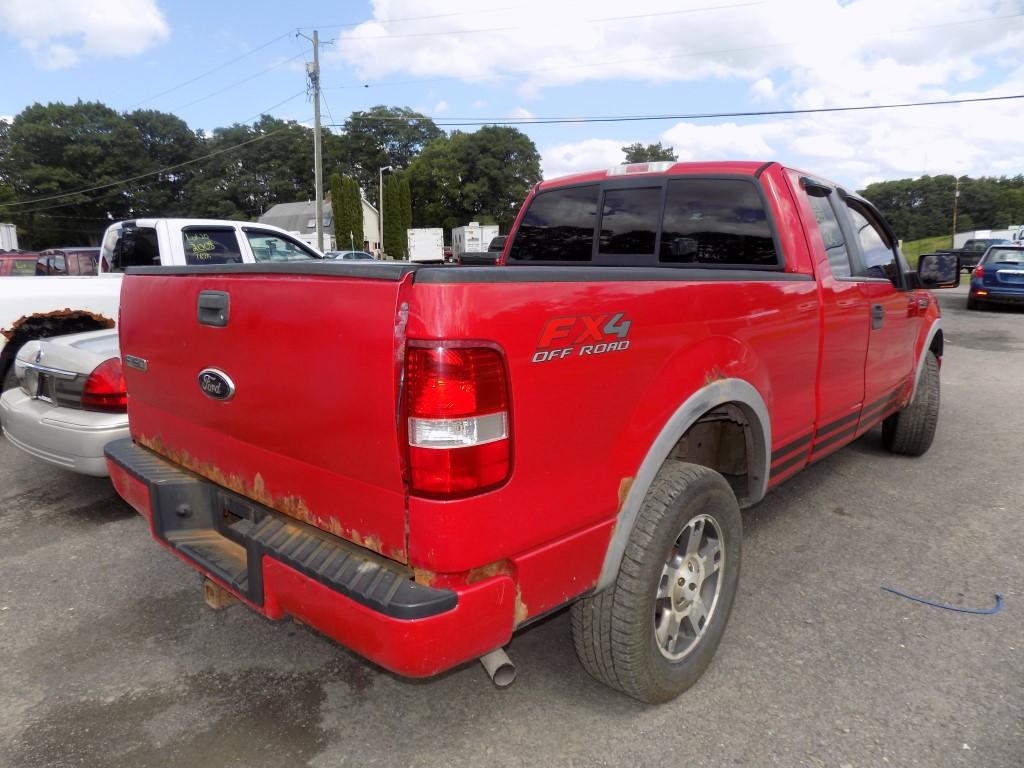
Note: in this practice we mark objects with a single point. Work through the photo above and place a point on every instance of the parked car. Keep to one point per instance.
(66, 304)
(17, 263)
(68, 261)
(661, 345)
(998, 277)
(971, 252)
(70, 400)
(349, 255)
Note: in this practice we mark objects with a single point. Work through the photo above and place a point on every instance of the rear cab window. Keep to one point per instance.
(675, 221)
(131, 246)
(211, 245)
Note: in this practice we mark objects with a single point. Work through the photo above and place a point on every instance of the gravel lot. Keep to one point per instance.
(111, 658)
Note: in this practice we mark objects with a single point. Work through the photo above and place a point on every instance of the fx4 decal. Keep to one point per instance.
(582, 336)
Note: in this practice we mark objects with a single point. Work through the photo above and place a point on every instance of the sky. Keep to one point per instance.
(474, 61)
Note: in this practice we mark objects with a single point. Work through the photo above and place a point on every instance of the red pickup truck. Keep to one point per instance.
(418, 460)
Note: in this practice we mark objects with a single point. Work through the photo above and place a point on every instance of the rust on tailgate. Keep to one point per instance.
(293, 506)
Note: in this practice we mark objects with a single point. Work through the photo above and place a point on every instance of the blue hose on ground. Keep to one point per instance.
(994, 609)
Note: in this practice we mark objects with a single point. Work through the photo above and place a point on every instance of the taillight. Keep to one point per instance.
(457, 419)
(979, 271)
(105, 389)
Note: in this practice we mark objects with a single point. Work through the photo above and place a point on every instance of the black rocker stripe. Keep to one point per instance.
(822, 444)
(787, 449)
(878, 407)
(788, 464)
(837, 423)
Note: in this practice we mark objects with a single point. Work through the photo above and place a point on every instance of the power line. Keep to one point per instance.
(211, 71)
(238, 82)
(691, 116)
(130, 179)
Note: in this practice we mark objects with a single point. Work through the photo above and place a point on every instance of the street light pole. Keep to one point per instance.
(380, 204)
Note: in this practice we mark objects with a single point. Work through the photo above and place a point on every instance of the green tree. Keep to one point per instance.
(354, 204)
(339, 211)
(648, 153)
(473, 177)
(392, 218)
(58, 149)
(379, 137)
(260, 165)
(404, 212)
(923, 207)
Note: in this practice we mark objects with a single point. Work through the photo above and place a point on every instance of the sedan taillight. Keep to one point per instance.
(105, 388)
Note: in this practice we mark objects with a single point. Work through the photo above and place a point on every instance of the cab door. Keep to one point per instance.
(882, 281)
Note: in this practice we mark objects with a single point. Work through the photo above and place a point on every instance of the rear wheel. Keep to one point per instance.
(912, 430)
(653, 632)
(973, 302)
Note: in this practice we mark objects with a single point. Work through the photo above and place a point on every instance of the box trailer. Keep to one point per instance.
(472, 238)
(426, 245)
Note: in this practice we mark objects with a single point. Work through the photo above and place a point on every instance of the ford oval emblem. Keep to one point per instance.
(216, 384)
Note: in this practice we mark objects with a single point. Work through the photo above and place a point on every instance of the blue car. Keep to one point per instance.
(999, 277)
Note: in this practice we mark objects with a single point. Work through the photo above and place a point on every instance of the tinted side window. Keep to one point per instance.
(558, 226)
(876, 250)
(831, 234)
(629, 221)
(209, 245)
(718, 222)
(43, 265)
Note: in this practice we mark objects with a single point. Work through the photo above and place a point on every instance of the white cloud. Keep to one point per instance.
(792, 53)
(763, 89)
(588, 155)
(521, 113)
(440, 107)
(723, 141)
(59, 32)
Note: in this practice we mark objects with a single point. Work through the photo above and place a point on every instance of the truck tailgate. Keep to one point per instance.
(291, 401)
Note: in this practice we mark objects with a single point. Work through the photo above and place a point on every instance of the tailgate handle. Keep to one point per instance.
(212, 308)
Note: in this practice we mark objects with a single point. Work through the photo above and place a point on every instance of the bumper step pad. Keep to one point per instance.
(228, 535)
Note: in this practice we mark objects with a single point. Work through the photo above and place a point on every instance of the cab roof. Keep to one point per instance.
(664, 168)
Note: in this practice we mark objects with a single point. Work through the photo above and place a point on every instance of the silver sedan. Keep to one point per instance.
(70, 400)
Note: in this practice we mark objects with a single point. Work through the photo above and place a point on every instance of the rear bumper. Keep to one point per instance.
(282, 567)
(1005, 293)
(65, 437)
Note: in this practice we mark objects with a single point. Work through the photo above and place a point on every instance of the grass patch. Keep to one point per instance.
(913, 249)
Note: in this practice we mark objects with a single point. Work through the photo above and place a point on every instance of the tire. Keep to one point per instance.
(624, 634)
(911, 431)
(972, 303)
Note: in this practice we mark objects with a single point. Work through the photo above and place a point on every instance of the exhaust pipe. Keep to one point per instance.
(499, 668)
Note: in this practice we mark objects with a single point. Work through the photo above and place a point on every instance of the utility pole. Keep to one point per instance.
(956, 199)
(313, 71)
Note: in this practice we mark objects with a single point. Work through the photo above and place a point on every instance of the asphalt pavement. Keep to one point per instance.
(111, 658)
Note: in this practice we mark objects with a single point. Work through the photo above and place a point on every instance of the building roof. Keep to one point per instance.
(295, 217)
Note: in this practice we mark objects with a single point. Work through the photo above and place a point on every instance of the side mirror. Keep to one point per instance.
(938, 270)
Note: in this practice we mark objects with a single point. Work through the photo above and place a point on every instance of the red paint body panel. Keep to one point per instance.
(312, 425)
(314, 428)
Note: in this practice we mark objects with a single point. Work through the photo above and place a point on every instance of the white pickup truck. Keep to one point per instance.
(35, 308)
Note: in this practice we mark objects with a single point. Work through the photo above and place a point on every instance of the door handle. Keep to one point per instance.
(212, 308)
(877, 316)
